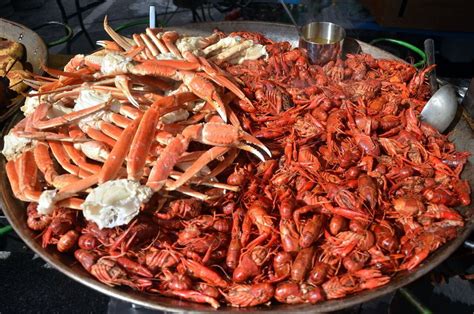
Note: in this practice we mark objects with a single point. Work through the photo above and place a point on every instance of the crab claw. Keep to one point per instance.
(204, 89)
(221, 134)
(123, 83)
(219, 77)
(202, 161)
(250, 139)
(252, 150)
(119, 39)
(109, 45)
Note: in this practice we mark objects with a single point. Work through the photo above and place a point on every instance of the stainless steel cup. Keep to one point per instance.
(323, 41)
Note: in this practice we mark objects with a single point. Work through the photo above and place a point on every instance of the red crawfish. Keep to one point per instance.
(339, 286)
(233, 251)
(250, 263)
(206, 289)
(426, 242)
(87, 242)
(337, 224)
(462, 188)
(441, 195)
(266, 169)
(137, 232)
(67, 241)
(439, 211)
(205, 222)
(358, 225)
(281, 266)
(174, 281)
(203, 243)
(368, 145)
(385, 236)
(302, 264)
(156, 259)
(407, 206)
(287, 204)
(86, 258)
(311, 230)
(345, 242)
(290, 237)
(133, 267)
(238, 177)
(256, 215)
(202, 272)
(107, 271)
(249, 295)
(63, 220)
(191, 295)
(318, 274)
(183, 208)
(355, 261)
(294, 293)
(35, 220)
(368, 190)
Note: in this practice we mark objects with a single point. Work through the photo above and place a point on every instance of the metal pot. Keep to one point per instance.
(323, 41)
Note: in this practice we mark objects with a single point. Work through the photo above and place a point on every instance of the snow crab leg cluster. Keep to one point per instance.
(115, 115)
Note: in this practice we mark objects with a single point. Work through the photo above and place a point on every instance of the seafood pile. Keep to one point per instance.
(131, 160)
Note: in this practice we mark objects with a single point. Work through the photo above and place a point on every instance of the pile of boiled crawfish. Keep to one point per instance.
(341, 186)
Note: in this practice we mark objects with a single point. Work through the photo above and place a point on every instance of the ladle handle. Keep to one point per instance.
(430, 59)
(298, 29)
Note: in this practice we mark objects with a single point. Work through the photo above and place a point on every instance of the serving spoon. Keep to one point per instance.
(441, 108)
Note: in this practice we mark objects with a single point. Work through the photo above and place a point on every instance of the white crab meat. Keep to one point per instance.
(166, 56)
(196, 106)
(253, 52)
(46, 202)
(115, 203)
(14, 146)
(94, 150)
(58, 109)
(114, 63)
(221, 45)
(88, 98)
(175, 116)
(30, 105)
(190, 43)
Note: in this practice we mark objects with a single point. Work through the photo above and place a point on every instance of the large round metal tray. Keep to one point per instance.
(16, 214)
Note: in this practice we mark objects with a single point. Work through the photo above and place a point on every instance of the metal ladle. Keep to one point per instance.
(441, 108)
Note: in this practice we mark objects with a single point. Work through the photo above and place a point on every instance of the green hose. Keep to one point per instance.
(66, 38)
(406, 45)
(5, 230)
(421, 308)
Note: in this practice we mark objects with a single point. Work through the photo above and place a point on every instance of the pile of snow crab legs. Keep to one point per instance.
(122, 158)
